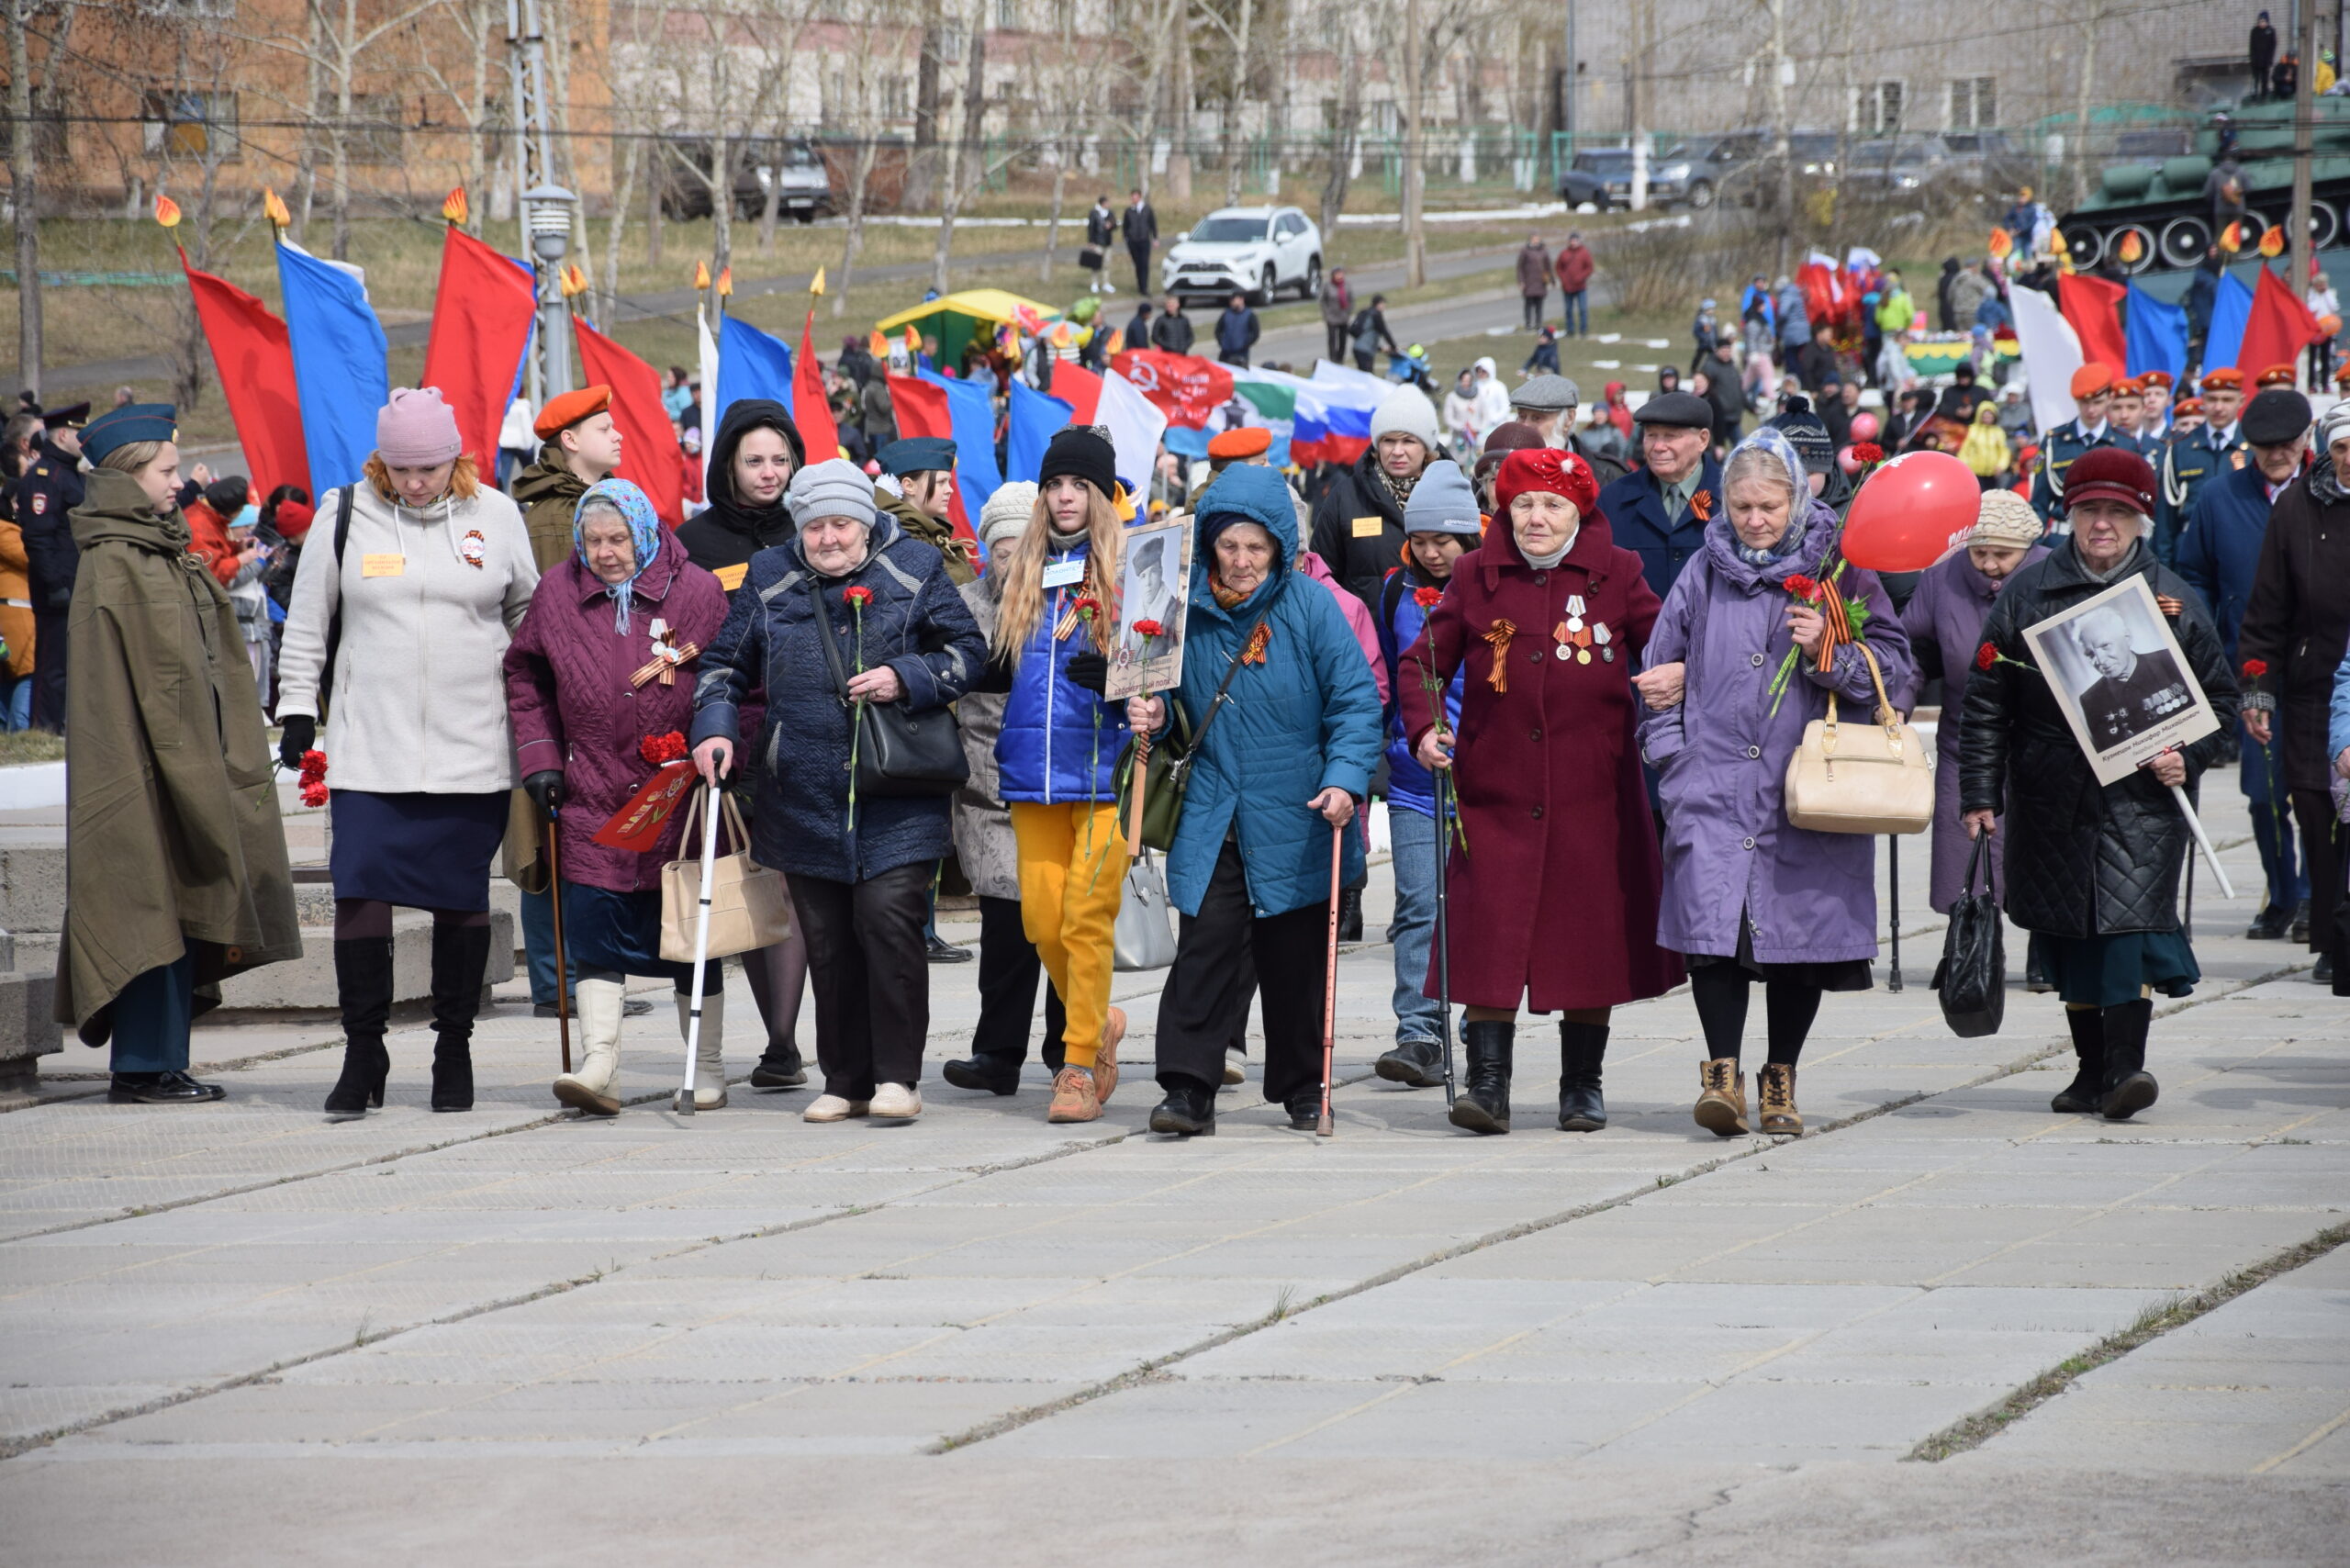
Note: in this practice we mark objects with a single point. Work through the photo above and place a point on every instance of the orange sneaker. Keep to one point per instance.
(1074, 1098)
(1105, 1061)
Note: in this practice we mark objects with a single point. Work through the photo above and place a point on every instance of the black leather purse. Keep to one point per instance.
(899, 753)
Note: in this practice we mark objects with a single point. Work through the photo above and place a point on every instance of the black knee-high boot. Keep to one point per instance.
(1483, 1106)
(460, 959)
(2080, 1097)
(363, 978)
(2128, 1087)
(1583, 1047)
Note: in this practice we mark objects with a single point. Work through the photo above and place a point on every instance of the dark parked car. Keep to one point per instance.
(1603, 176)
(806, 189)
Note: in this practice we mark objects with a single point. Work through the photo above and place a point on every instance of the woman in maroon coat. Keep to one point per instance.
(600, 679)
(1554, 890)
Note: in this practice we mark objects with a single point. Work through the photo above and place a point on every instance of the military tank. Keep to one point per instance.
(2152, 215)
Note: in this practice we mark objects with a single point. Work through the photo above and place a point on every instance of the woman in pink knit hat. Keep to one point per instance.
(412, 581)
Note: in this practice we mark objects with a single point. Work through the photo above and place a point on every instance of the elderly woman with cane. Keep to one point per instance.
(1284, 719)
(1556, 886)
(860, 867)
(2092, 869)
(600, 680)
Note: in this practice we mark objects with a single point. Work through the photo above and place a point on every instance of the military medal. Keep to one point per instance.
(1574, 613)
(1606, 639)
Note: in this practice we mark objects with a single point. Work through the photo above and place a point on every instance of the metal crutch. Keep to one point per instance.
(1330, 982)
(684, 1104)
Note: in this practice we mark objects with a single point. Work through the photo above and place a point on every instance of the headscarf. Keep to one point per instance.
(1771, 442)
(644, 531)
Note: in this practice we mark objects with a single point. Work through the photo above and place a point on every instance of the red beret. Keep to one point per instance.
(1250, 441)
(2091, 379)
(568, 408)
(2225, 377)
(2111, 474)
(2276, 375)
(1536, 468)
(2155, 378)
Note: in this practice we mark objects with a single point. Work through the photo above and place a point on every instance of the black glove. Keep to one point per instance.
(545, 790)
(1089, 669)
(298, 733)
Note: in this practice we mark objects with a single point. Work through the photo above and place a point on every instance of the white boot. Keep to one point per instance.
(710, 1051)
(590, 1088)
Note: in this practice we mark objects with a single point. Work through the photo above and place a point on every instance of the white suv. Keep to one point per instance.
(1255, 250)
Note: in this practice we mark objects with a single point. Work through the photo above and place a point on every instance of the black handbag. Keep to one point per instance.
(1972, 974)
(899, 753)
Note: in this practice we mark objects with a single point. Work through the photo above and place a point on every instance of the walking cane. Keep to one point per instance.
(562, 967)
(1139, 777)
(1330, 982)
(685, 1100)
(1892, 850)
(1445, 806)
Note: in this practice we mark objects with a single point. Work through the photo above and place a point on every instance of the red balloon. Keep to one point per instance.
(1912, 512)
(1865, 427)
(1847, 461)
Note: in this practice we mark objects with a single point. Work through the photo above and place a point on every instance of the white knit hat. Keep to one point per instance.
(1007, 512)
(1405, 412)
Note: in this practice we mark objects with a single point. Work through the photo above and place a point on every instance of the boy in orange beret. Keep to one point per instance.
(581, 447)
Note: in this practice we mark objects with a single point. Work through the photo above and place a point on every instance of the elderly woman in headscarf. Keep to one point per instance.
(1944, 619)
(600, 680)
(860, 867)
(1748, 895)
(1555, 891)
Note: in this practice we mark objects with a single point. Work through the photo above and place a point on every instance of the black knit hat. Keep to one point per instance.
(1808, 433)
(1085, 451)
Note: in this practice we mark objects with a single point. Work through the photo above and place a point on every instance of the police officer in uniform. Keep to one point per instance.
(2062, 447)
(2197, 456)
(47, 492)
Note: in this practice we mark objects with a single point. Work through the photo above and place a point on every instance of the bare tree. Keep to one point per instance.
(1346, 130)
(344, 43)
(1236, 33)
(484, 43)
(1416, 255)
(858, 104)
(706, 71)
(24, 164)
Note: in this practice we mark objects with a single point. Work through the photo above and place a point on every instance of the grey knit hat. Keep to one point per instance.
(1406, 412)
(1007, 513)
(834, 488)
(1442, 502)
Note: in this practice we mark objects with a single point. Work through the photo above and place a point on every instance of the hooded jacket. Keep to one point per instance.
(174, 844)
(723, 536)
(548, 492)
(1304, 719)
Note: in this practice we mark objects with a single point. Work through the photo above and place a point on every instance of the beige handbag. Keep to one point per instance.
(1860, 778)
(750, 907)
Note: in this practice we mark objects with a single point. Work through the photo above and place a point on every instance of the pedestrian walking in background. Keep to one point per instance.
(15, 606)
(588, 734)
(1357, 527)
(1337, 303)
(1288, 758)
(1555, 819)
(398, 636)
(177, 878)
(1368, 334)
(1794, 326)
(579, 446)
(1461, 414)
(2092, 869)
(1705, 331)
(1173, 332)
(1533, 279)
(860, 868)
(1101, 233)
(1986, 452)
(1236, 331)
(1944, 621)
(1139, 226)
(1575, 266)
(1748, 895)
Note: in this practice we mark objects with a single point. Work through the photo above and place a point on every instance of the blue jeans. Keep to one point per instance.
(1411, 837)
(151, 1018)
(20, 705)
(1578, 315)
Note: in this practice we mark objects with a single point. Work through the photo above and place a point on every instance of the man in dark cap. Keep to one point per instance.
(2219, 555)
(48, 492)
(1661, 509)
(923, 467)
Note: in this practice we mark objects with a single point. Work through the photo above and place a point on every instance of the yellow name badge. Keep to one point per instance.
(730, 578)
(387, 566)
(1370, 527)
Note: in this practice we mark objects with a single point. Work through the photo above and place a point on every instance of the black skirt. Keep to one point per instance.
(417, 851)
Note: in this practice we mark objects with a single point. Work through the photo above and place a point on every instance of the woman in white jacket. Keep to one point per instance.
(403, 604)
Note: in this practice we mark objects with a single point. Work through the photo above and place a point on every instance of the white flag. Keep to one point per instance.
(1136, 426)
(709, 395)
(2051, 351)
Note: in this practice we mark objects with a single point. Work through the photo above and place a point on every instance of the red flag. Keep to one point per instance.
(648, 452)
(811, 410)
(250, 352)
(482, 313)
(1079, 388)
(1185, 387)
(2093, 307)
(2278, 329)
(921, 409)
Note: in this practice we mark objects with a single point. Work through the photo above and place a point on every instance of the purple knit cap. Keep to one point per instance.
(415, 429)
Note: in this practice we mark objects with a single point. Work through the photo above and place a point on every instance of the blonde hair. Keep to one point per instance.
(1022, 564)
(465, 479)
(131, 456)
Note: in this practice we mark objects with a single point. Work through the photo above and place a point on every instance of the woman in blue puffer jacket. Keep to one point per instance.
(1283, 765)
(1058, 750)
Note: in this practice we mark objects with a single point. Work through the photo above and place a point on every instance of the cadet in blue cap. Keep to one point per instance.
(168, 894)
(924, 467)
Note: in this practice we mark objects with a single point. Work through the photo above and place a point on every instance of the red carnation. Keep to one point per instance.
(1428, 597)
(1148, 628)
(1986, 656)
(859, 596)
(2255, 669)
(1801, 587)
(1867, 451)
(662, 750)
(313, 778)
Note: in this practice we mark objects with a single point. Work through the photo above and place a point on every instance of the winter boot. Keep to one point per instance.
(590, 1088)
(1419, 1063)
(362, 979)
(710, 1051)
(1774, 1092)
(1189, 1111)
(460, 960)
(1581, 1048)
(1350, 914)
(1483, 1106)
(996, 1074)
(1721, 1103)
(1305, 1109)
(2128, 1087)
(2080, 1097)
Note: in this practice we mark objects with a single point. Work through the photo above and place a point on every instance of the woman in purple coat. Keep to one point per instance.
(1747, 896)
(594, 719)
(1944, 619)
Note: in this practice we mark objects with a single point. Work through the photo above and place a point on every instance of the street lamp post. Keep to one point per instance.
(546, 219)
